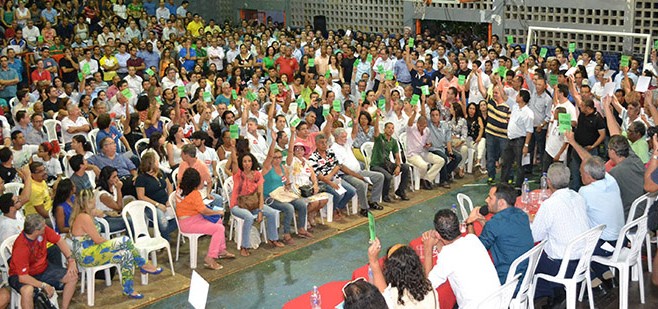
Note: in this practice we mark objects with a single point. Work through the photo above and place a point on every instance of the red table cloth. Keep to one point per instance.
(331, 294)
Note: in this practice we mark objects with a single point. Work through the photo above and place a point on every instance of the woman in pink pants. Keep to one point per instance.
(190, 211)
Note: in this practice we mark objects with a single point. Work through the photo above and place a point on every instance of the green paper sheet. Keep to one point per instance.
(462, 80)
(573, 62)
(411, 42)
(371, 226)
(126, 93)
(415, 99)
(150, 72)
(181, 91)
(369, 58)
(425, 89)
(311, 62)
(274, 89)
(81, 76)
(295, 121)
(207, 97)
(86, 69)
(543, 52)
(552, 80)
(381, 103)
(234, 94)
(325, 110)
(235, 131)
(389, 75)
(564, 121)
(572, 47)
(251, 96)
(510, 39)
(337, 105)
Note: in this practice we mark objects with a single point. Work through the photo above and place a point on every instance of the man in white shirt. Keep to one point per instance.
(519, 133)
(462, 259)
(207, 155)
(561, 218)
(89, 62)
(417, 151)
(73, 125)
(134, 81)
(216, 54)
(355, 175)
(162, 11)
(170, 80)
(232, 52)
(31, 34)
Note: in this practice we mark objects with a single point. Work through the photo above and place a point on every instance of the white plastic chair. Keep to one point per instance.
(627, 259)
(500, 298)
(139, 233)
(51, 129)
(415, 173)
(585, 243)
(174, 177)
(648, 199)
(532, 256)
(14, 188)
(91, 136)
(165, 122)
(366, 150)
(5, 253)
(194, 238)
(141, 145)
(88, 274)
(465, 204)
(220, 170)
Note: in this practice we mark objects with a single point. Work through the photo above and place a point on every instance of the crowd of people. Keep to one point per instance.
(253, 120)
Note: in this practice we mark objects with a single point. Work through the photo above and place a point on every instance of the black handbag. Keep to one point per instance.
(306, 190)
(41, 300)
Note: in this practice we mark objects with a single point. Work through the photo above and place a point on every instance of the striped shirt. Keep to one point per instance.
(497, 118)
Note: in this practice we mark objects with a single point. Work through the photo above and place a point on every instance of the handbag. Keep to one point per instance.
(282, 195)
(212, 218)
(306, 190)
(41, 300)
(248, 201)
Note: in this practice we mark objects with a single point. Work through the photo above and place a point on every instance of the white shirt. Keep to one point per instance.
(571, 109)
(345, 155)
(520, 123)
(216, 52)
(22, 157)
(168, 83)
(93, 66)
(68, 122)
(555, 140)
(561, 218)
(399, 123)
(162, 12)
(466, 263)
(31, 35)
(10, 227)
(208, 157)
(134, 83)
(257, 144)
(474, 95)
(415, 141)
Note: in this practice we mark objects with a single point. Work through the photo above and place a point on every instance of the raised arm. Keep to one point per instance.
(291, 145)
(584, 154)
(610, 119)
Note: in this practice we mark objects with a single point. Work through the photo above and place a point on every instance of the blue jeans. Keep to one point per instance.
(340, 201)
(546, 265)
(250, 216)
(538, 140)
(574, 167)
(451, 163)
(495, 146)
(288, 210)
(165, 226)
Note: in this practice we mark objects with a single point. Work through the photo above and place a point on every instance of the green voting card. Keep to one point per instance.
(40, 39)
(371, 226)
(389, 75)
(207, 97)
(380, 68)
(543, 51)
(337, 104)
(573, 63)
(86, 69)
(363, 96)
(356, 62)
(181, 91)
(157, 99)
(502, 71)
(411, 42)
(251, 96)
(234, 94)
(381, 103)
(327, 74)
(81, 76)
(572, 47)
(274, 89)
(235, 131)
(462, 80)
(425, 89)
(295, 121)
(523, 58)
(149, 72)
(126, 93)
(369, 58)
(415, 99)
(301, 104)
(655, 44)
(325, 110)
(510, 40)
(311, 62)
(564, 121)
(552, 80)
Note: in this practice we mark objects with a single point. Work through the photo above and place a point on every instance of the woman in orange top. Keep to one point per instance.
(189, 212)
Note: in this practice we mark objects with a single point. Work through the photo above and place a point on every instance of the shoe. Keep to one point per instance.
(363, 213)
(425, 185)
(211, 267)
(135, 296)
(445, 184)
(402, 196)
(375, 206)
(226, 255)
(386, 199)
(155, 272)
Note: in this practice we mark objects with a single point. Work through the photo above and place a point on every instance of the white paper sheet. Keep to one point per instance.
(198, 291)
(607, 247)
(609, 89)
(571, 71)
(643, 84)
(609, 73)
(341, 190)
(367, 179)
(526, 159)
(348, 32)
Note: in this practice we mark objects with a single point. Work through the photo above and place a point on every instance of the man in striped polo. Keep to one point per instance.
(498, 111)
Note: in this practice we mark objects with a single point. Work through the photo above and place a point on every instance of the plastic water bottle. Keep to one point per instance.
(371, 277)
(544, 186)
(525, 191)
(316, 301)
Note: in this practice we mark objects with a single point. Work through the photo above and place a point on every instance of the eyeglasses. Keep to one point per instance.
(353, 281)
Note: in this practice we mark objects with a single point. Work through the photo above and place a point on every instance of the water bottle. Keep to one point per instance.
(316, 301)
(525, 191)
(371, 277)
(454, 208)
(544, 186)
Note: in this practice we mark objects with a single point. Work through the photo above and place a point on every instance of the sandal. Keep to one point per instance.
(215, 266)
(289, 241)
(135, 296)
(276, 243)
(244, 252)
(304, 234)
(226, 255)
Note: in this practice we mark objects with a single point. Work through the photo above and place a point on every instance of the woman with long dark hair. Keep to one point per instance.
(476, 137)
(402, 281)
(175, 141)
(63, 205)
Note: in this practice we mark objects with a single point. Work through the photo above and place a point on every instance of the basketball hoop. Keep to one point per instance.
(420, 6)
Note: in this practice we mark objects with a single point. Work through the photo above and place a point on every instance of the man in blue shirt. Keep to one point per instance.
(151, 59)
(126, 170)
(15, 63)
(8, 80)
(171, 6)
(507, 234)
(149, 6)
(187, 55)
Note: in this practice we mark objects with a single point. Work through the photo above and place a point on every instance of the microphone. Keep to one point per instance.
(484, 210)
